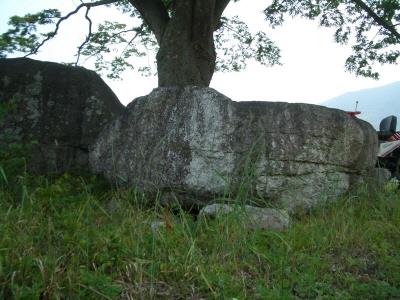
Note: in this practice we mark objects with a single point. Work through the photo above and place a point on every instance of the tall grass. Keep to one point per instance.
(75, 238)
(71, 238)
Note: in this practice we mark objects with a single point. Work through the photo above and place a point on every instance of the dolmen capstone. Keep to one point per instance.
(197, 141)
(61, 108)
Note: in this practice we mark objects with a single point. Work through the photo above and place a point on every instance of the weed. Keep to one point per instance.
(74, 238)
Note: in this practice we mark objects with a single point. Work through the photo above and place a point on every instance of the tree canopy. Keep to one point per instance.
(370, 26)
(194, 38)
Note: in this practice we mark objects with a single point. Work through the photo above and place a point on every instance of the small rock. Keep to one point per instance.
(376, 179)
(257, 217)
(156, 225)
(213, 210)
(113, 205)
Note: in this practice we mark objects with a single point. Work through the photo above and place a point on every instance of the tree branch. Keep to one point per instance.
(380, 21)
(132, 39)
(220, 6)
(87, 5)
(114, 35)
(87, 37)
(154, 14)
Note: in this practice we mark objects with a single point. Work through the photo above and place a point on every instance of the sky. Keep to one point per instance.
(312, 71)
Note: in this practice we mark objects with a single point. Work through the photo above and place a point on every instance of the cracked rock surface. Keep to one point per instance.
(198, 141)
(60, 107)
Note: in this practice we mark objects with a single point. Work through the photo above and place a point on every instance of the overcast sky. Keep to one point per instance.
(312, 71)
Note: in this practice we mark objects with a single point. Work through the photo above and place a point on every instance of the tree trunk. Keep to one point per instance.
(187, 52)
(181, 62)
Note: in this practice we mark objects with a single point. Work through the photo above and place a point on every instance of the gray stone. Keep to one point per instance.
(62, 108)
(376, 179)
(198, 141)
(252, 217)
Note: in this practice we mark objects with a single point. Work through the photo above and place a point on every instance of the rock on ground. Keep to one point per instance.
(376, 179)
(252, 217)
(200, 142)
(62, 108)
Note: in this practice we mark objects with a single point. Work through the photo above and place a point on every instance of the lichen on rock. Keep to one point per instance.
(198, 141)
(62, 108)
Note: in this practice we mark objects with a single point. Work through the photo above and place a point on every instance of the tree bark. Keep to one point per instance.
(187, 53)
(154, 14)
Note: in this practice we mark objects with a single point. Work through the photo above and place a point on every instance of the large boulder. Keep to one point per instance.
(61, 108)
(197, 141)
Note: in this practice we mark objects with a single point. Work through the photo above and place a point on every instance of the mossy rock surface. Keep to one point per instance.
(198, 141)
(60, 108)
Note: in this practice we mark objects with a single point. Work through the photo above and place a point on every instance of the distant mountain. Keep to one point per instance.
(374, 103)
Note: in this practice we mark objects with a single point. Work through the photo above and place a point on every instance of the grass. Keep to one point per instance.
(76, 238)
(73, 238)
